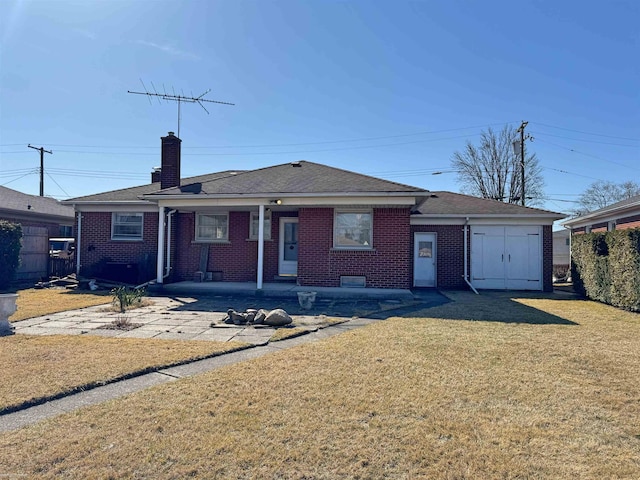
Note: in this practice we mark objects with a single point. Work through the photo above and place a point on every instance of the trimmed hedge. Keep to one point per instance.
(606, 267)
(10, 245)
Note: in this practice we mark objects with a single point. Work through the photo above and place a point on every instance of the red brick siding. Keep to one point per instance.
(449, 254)
(579, 231)
(599, 227)
(96, 244)
(628, 222)
(386, 266)
(236, 259)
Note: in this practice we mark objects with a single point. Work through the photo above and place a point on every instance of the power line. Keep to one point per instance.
(54, 181)
(585, 140)
(587, 154)
(324, 142)
(588, 133)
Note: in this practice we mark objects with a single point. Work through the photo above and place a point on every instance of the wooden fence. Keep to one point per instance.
(34, 254)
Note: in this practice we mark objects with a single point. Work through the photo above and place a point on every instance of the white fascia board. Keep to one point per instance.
(482, 219)
(601, 217)
(139, 206)
(199, 202)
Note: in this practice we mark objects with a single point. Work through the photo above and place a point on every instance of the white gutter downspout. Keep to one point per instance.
(160, 260)
(79, 235)
(168, 266)
(466, 261)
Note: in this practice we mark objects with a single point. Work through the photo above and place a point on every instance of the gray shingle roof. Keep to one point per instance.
(292, 178)
(134, 193)
(448, 203)
(23, 203)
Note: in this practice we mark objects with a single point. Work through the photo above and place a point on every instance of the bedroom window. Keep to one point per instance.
(255, 220)
(126, 226)
(353, 229)
(212, 227)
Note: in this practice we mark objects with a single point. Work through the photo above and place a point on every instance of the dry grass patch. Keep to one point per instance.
(38, 302)
(487, 387)
(36, 367)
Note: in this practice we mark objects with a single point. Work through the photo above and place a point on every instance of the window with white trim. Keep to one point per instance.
(353, 229)
(126, 226)
(212, 227)
(255, 222)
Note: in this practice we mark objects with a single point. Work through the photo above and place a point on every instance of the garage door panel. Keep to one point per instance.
(507, 257)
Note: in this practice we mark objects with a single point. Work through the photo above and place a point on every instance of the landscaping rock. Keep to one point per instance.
(278, 318)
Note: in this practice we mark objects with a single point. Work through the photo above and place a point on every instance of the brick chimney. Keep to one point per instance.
(170, 169)
(155, 174)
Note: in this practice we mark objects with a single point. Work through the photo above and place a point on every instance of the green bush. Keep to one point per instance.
(606, 267)
(10, 244)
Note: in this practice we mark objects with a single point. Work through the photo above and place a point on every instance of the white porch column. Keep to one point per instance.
(79, 244)
(260, 247)
(160, 264)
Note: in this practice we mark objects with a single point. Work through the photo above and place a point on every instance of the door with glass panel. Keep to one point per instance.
(288, 246)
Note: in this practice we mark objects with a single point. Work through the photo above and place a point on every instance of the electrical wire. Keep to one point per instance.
(588, 133)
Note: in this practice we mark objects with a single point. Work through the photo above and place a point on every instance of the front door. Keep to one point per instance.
(288, 246)
(424, 260)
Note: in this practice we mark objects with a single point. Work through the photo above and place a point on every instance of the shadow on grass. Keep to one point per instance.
(500, 306)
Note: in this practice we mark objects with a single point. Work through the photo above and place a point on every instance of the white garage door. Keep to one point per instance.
(506, 257)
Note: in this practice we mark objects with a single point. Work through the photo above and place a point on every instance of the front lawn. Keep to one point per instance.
(37, 367)
(33, 302)
(490, 386)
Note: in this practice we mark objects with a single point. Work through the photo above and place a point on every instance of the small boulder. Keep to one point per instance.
(259, 317)
(278, 318)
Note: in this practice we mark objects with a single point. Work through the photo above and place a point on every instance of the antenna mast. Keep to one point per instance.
(177, 98)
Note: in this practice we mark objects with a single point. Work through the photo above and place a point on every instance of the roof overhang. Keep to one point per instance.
(484, 219)
(604, 215)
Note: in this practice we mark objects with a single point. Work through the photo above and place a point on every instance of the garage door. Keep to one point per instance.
(506, 257)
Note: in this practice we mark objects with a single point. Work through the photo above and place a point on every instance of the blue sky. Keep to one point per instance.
(388, 88)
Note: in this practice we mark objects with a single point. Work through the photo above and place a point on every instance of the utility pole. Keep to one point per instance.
(42, 152)
(523, 137)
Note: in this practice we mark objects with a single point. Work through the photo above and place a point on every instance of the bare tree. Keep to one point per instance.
(603, 193)
(493, 170)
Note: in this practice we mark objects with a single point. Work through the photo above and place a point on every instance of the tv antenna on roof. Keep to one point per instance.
(177, 98)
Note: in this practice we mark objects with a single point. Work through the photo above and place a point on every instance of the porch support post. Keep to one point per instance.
(260, 247)
(160, 265)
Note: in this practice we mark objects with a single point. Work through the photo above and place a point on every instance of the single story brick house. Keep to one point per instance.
(35, 211)
(617, 216)
(319, 225)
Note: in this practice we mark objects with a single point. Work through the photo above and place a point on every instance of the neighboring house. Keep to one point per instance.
(35, 211)
(40, 218)
(561, 249)
(618, 216)
(319, 225)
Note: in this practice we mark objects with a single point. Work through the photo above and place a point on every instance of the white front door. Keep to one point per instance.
(424, 260)
(288, 246)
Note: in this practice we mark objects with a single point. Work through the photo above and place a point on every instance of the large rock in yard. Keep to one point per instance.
(278, 318)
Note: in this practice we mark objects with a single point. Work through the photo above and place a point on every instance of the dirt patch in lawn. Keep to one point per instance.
(34, 302)
(43, 367)
(490, 386)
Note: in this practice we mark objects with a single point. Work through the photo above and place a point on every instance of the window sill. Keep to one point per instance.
(255, 240)
(344, 249)
(223, 242)
(127, 240)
